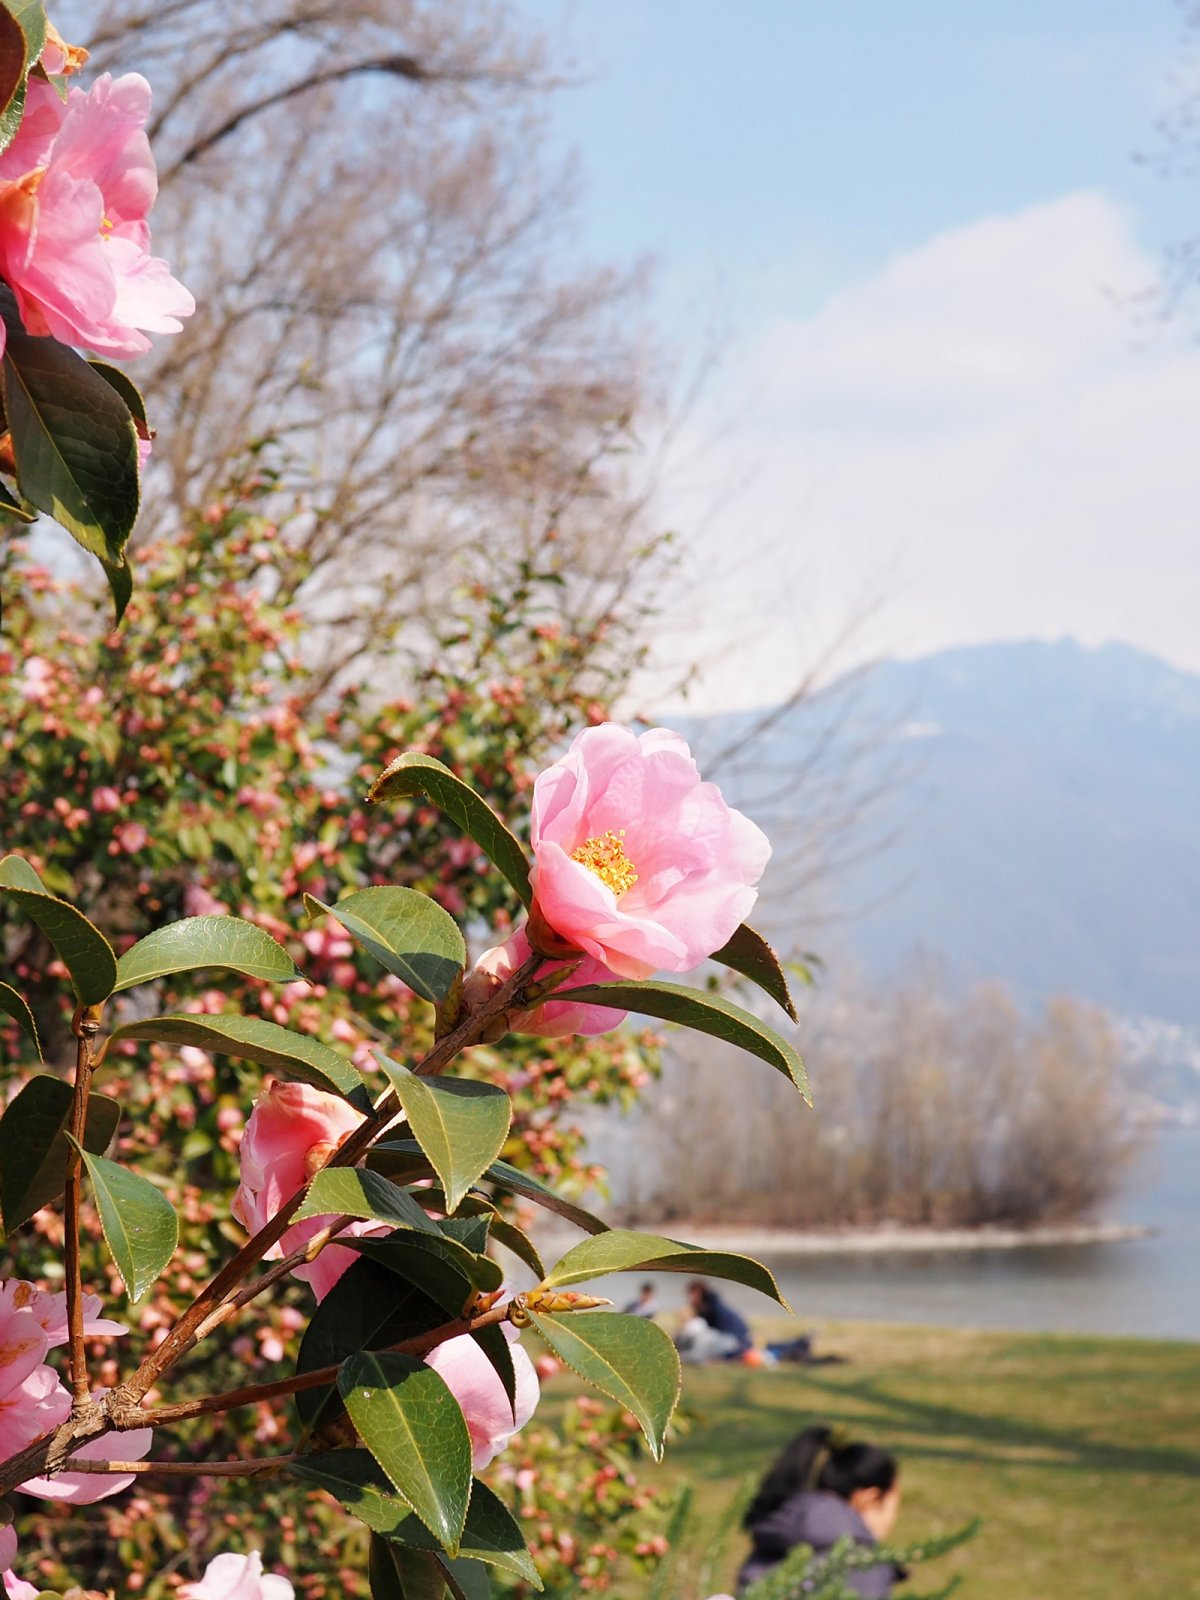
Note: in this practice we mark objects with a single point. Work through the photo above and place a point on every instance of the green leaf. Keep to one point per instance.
(707, 1013)
(17, 1007)
(460, 1124)
(10, 506)
(16, 873)
(439, 1267)
(630, 1359)
(407, 932)
(22, 40)
(295, 1055)
(415, 774)
(398, 1574)
(750, 954)
(120, 584)
(619, 1250)
(411, 1423)
(34, 1148)
(357, 1192)
(368, 1308)
(195, 942)
(82, 948)
(117, 378)
(74, 441)
(491, 1532)
(518, 1241)
(139, 1222)
(404, 1158)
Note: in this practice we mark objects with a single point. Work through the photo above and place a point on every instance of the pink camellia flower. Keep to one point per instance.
(475, 1384)
(636, 861)
(50, 1312)
(292, 1131)
(131, 836)
(76, 185)
(233, 1577)
(553, 1019)
(106, 798)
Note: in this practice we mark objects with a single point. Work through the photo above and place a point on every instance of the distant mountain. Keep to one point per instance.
(1046, 825)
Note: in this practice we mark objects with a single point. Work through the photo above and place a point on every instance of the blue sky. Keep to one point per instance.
(923, 227)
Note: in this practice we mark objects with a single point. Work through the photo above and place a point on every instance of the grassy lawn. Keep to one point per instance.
(1081, 1455)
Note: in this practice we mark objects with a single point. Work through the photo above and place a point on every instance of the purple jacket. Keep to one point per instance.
(818, 1519)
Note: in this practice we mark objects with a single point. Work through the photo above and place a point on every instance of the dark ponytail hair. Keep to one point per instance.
(822, 1459)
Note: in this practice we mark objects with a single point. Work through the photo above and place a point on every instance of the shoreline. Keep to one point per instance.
(893, 1239)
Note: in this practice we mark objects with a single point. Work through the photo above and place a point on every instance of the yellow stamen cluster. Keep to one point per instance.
(605, 856)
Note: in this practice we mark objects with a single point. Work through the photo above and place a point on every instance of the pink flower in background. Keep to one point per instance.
(292, 1131)
(475, 1384)
(76, 185)
(232, 1577)
(105, 799)
(637, 862)
(198, 902)
(37, 677)
(553, 1019)
(131, 836)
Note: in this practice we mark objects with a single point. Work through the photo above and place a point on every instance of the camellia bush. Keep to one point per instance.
(375, 1187)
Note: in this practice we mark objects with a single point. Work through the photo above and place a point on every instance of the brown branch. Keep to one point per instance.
(300, 1382)
(399, 66)
(85, 1025)
(261, 1467)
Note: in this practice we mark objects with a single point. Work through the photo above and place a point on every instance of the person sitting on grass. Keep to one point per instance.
(714, 1331)
(824, 1487)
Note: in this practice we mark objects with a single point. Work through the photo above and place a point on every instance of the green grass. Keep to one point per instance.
(1082, 1455)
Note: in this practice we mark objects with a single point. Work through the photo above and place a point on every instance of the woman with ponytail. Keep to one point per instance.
(824, 1487)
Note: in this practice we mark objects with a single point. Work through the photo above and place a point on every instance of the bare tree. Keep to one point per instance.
(357, 193)
(928, 1111)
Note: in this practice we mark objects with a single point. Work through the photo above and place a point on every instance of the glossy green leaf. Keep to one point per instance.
(293, 1055)
(82, 948)
(491, 1533)
(16, 873)
(368, 1308)
(34, 1147)
(394, 1573)
(17, 1007)
(196, 942)
(411, 1423)
(11, 507)
(139, 1222)
(619, 1250)
(460, 1124)
(439, 1267)
(74, 441)
(22, 40)
(404, 1160)
(414, 774)
(117, 378)
(630, 1359)
(406, 932)
(706, 1013)
(120, 584)
(749, 954)
(358, 1192)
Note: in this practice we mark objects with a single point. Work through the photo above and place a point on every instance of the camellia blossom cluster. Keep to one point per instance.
(33, 1399)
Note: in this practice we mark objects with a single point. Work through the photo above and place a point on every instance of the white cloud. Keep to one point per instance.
(981, 433)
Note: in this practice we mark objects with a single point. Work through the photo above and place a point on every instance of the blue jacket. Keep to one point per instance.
(725, 1319)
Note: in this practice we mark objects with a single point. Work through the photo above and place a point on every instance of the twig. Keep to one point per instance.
(84, 1026)
(250, 1468)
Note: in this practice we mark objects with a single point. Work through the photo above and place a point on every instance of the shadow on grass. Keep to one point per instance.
(939, 1428)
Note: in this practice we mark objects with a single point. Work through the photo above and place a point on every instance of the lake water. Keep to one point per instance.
(1148, 1287)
